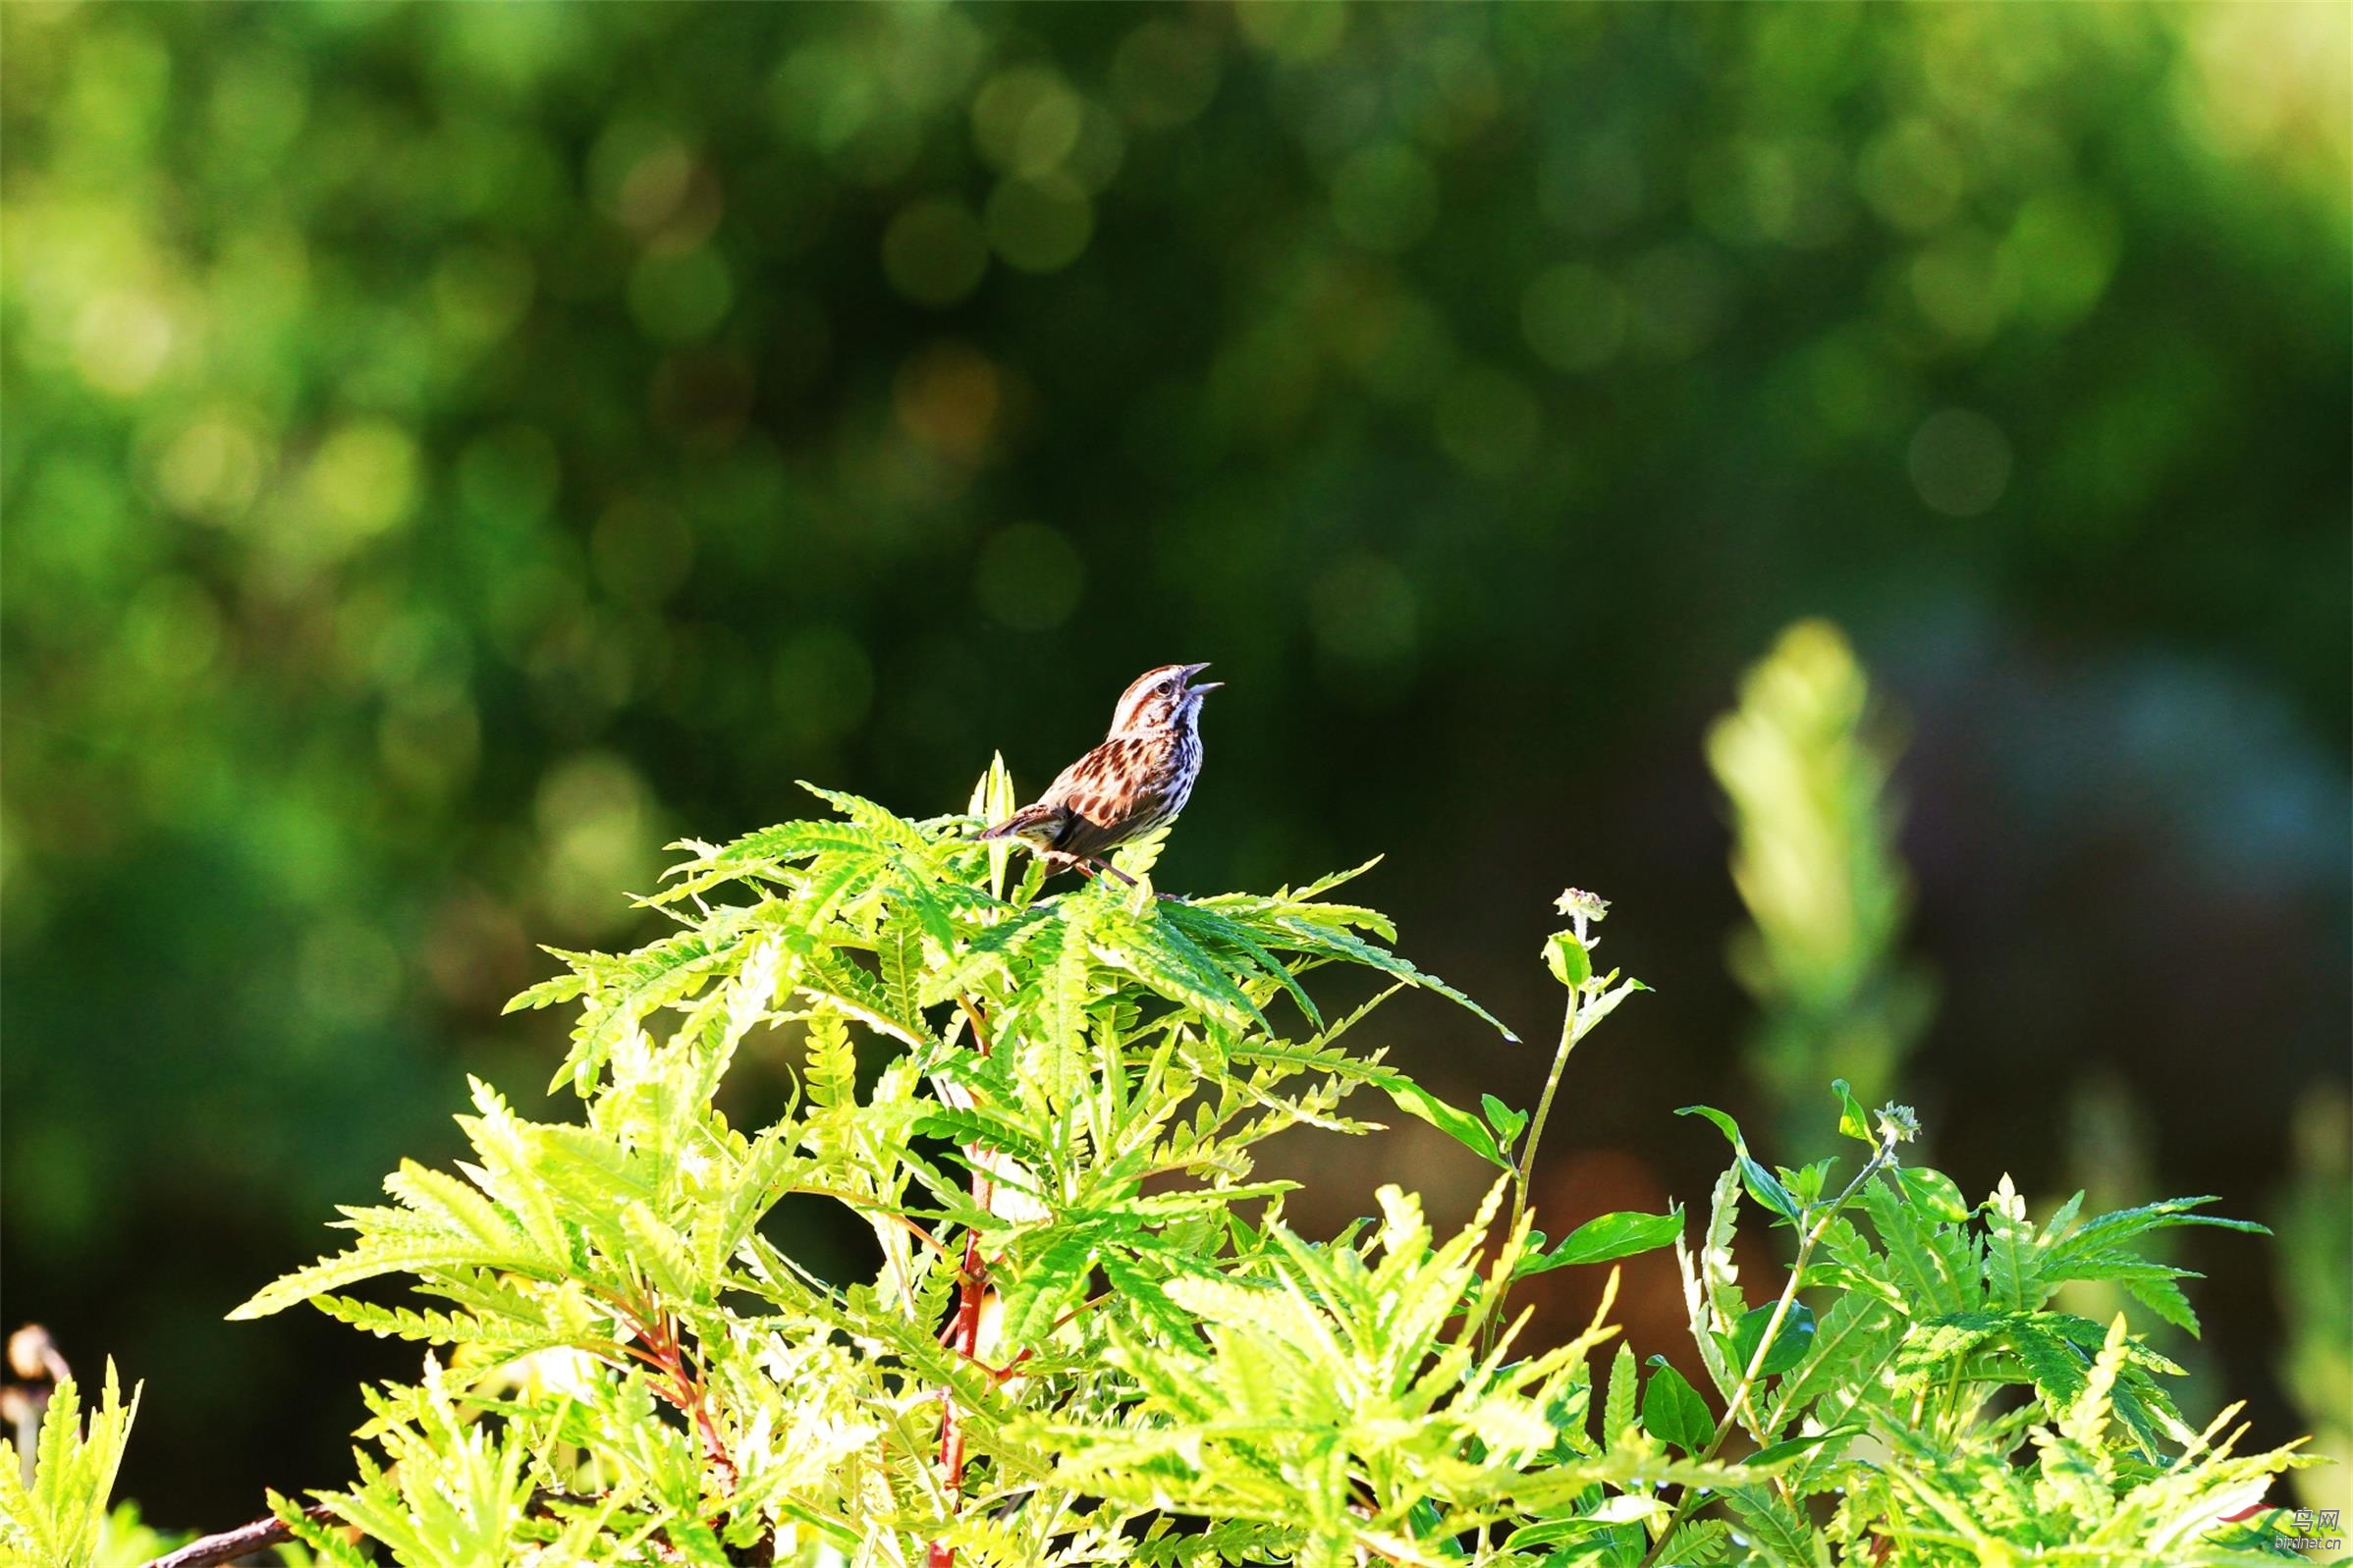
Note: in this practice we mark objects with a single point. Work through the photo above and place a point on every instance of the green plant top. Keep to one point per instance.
(1088, 1335)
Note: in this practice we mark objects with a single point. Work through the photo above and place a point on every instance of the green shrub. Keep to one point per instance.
(1090, 1335)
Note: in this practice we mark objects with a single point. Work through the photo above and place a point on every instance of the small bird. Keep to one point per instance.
(1140, 777)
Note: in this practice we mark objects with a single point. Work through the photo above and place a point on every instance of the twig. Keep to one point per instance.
(261, 1534)
(231, 1545)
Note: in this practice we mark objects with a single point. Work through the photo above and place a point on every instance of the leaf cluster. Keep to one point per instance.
(1047, 1102)
(1088, 1333)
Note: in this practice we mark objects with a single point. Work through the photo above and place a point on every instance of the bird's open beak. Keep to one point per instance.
(1192, 671)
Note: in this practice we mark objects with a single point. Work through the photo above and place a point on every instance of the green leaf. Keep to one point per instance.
(59, 1521)
(831, 1073)
(1566, 957)
(1618, 1405)
(2057, 1365)
(1711, 1296)
(1460, 1126)
(1697, 1545)
(1794, 1446)
(2010, 1250)
(1807, 1182)
(1625, 1507)
(1764, 1186)
(2165, 1298)
(1933, 1193)
(1674, 1412)
(1305, 936)
(1613, 1235)
(2104, 1233)
(1725, 1125)
(1050, 1282)
(1790, 1341)
(1506, 1122)
(1210, 929)
(1921, 1265)
(1852, 1121)
(1776, 1530)
(1854, 1338)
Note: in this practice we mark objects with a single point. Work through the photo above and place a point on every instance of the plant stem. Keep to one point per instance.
(1544, 1110)
(966, 1342)
(964, 1335)
(688, 1393)
(1773, 1327)
(1571, 1030)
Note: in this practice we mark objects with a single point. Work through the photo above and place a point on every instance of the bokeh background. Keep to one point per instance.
(450, 450)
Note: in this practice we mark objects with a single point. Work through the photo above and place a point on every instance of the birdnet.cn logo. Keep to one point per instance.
(2312, 1529)
(2315, 1530)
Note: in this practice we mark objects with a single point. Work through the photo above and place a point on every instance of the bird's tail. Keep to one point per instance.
(1024, 821)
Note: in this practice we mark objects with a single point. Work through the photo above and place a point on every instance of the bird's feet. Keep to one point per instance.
(1086, 866)
(1101, 864)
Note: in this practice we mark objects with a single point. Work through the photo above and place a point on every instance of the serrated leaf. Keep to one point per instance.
(1336, 943)
(1933, 1193)
(2105, 1232)
(2056, 1366)
(2010, 1250)
(1697, 1545)
(1214, 931)
(1618, 1403)
(1049, 1281)
(1909, 1238)
(2160, 1295)
(1853, 1340)
(1777, 1531)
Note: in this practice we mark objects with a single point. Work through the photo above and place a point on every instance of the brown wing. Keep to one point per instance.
(1101, 791)
(1043, 822)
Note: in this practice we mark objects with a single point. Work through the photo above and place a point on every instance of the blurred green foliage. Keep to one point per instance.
(1814, 859)
(450, 450)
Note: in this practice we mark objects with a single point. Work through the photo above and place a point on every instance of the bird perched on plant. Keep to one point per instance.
(1138, 778)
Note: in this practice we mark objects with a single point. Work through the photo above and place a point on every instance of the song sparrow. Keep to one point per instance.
(1138, 778)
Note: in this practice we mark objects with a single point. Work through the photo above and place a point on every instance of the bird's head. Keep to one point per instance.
(1162, 699)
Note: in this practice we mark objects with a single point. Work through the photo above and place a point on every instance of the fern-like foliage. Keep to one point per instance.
(1062, 1128)
(58, 1518)
(1090, 1336)
(1935, 1399)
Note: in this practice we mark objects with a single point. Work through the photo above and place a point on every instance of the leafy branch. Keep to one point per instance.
(1089, 1334)
(1897, 1124)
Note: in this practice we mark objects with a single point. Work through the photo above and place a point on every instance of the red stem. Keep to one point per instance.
(667, 1356)
(965, 1334)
